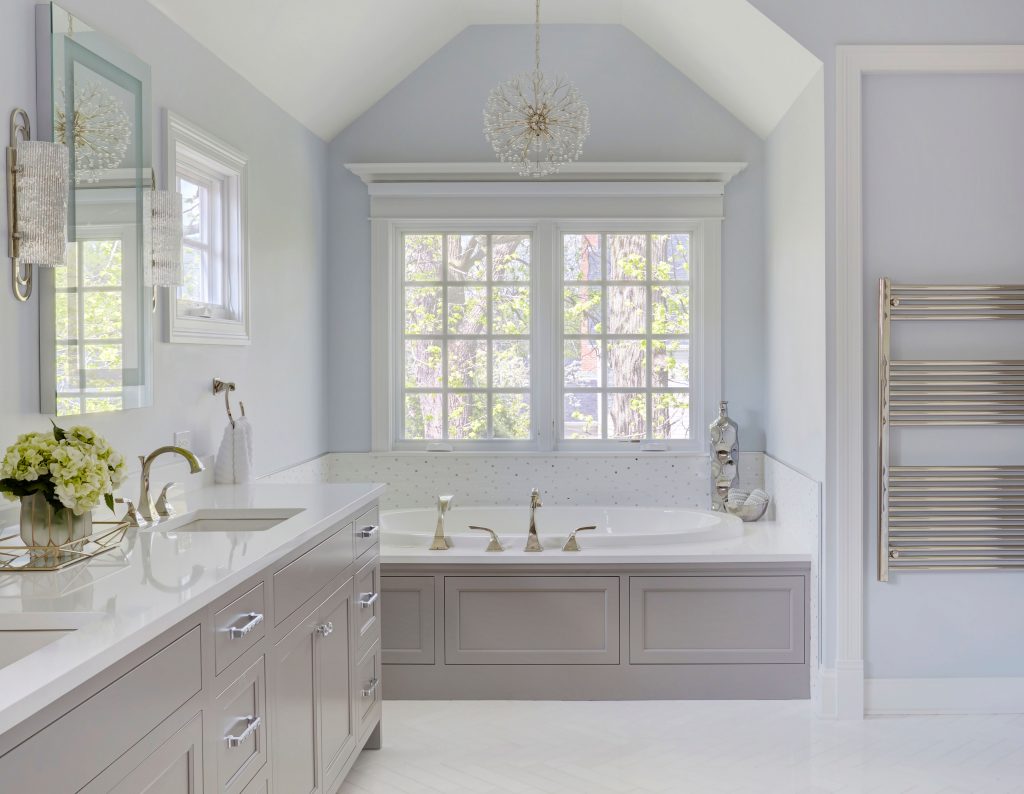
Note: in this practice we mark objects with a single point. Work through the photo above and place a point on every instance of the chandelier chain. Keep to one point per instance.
(536, 38)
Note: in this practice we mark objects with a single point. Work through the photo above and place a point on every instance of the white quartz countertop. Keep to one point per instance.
(127, 597)
(761, 542)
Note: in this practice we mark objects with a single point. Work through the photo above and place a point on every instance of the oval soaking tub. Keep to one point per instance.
(617, 527)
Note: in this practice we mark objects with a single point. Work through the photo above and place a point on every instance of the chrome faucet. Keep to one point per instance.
(532, 540)
(147, 510)
(441, 541)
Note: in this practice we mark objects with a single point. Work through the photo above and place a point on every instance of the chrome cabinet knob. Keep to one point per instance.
(325, 629)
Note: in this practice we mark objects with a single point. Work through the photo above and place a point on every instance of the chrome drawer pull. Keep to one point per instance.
(326, 629)
(367, 532)
(367, 600)
(371, 689)
(250, 729)
(237, 632)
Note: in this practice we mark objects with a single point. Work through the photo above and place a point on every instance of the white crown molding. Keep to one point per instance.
(376, 173)
(853, 62)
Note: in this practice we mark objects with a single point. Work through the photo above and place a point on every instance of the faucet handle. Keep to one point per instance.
(535, 498)
(131, 515)
(571, 544)
(444, 502)
(495, 544)
(163, 507)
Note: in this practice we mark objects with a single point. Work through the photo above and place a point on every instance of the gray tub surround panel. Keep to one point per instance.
(407, 615)
(170, 684)
(717, 620)
(594, 630)
(531, 620)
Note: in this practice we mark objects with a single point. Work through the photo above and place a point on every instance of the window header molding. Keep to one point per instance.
(375, 174)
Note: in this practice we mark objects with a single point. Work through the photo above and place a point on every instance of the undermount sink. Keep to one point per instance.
(224, 520)
(22, 634)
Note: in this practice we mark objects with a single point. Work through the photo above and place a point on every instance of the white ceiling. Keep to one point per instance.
(327, 61)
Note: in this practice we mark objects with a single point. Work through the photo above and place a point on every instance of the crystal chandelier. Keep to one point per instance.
(101, 130)
(537, 123)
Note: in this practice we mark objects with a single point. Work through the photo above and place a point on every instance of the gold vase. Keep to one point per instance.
(53, 534)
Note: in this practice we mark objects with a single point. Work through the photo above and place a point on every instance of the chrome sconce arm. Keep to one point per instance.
(37, 183)
(22, 285)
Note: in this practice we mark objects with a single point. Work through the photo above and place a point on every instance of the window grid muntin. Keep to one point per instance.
(603, 283)
(82, 395)
(489, 283)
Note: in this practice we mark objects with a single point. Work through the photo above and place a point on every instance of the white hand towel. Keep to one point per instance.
(234, 458)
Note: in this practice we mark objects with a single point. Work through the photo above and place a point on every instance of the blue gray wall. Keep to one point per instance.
(641, 108)
(911, 626)
(280, 374)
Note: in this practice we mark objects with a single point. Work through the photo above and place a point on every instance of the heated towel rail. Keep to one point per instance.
(948, 517)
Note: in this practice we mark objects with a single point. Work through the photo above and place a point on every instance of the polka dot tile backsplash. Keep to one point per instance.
(415, 480)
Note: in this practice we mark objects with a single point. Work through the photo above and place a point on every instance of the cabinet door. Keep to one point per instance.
(176, 767)
(294, 724)
(333, 643)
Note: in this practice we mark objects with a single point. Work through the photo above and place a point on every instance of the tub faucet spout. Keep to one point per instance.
(532, 539)
(441, 541)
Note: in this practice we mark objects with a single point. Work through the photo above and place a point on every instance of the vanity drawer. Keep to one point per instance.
(367, 531)
(240, 729)
(368, 690)
(304, 577)
(95, 733)
(238, 627)
(367, 589)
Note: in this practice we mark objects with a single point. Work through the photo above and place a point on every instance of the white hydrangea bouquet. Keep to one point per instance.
(60, 477)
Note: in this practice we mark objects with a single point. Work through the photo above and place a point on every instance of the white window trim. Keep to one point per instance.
(682, 201)
(216, 160)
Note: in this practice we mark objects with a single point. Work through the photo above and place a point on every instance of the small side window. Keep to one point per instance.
(212, 305)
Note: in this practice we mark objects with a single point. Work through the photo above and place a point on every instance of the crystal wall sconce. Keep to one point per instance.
(165, 213)
(37, 204)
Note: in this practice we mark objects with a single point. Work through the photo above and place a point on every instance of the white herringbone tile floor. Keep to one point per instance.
(682, 747)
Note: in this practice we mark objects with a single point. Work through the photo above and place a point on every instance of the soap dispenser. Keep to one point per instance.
(725, 435)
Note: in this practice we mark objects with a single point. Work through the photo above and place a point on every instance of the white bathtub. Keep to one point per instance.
(617, 527)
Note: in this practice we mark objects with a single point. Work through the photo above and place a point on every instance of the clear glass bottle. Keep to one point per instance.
(725, 450)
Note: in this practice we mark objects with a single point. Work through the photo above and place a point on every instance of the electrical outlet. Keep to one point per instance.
(183, 439)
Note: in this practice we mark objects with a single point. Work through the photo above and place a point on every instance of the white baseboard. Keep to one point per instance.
(841, 691)
(825, 694)
(944, 696)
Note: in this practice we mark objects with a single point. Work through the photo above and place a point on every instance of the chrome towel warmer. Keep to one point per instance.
(941, 518)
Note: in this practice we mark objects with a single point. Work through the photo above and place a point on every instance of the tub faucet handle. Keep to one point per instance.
(495, 544)
(571, 544)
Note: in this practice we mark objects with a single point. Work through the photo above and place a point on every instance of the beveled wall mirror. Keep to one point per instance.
(95, 317)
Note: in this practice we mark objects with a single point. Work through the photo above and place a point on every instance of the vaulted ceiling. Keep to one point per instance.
(327, 61)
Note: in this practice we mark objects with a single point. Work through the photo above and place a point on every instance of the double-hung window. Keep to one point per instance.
(465, 338)
(625, 336)
(212, 304)
(532, 322)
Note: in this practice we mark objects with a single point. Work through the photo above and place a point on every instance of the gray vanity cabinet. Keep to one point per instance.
(273, 687)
